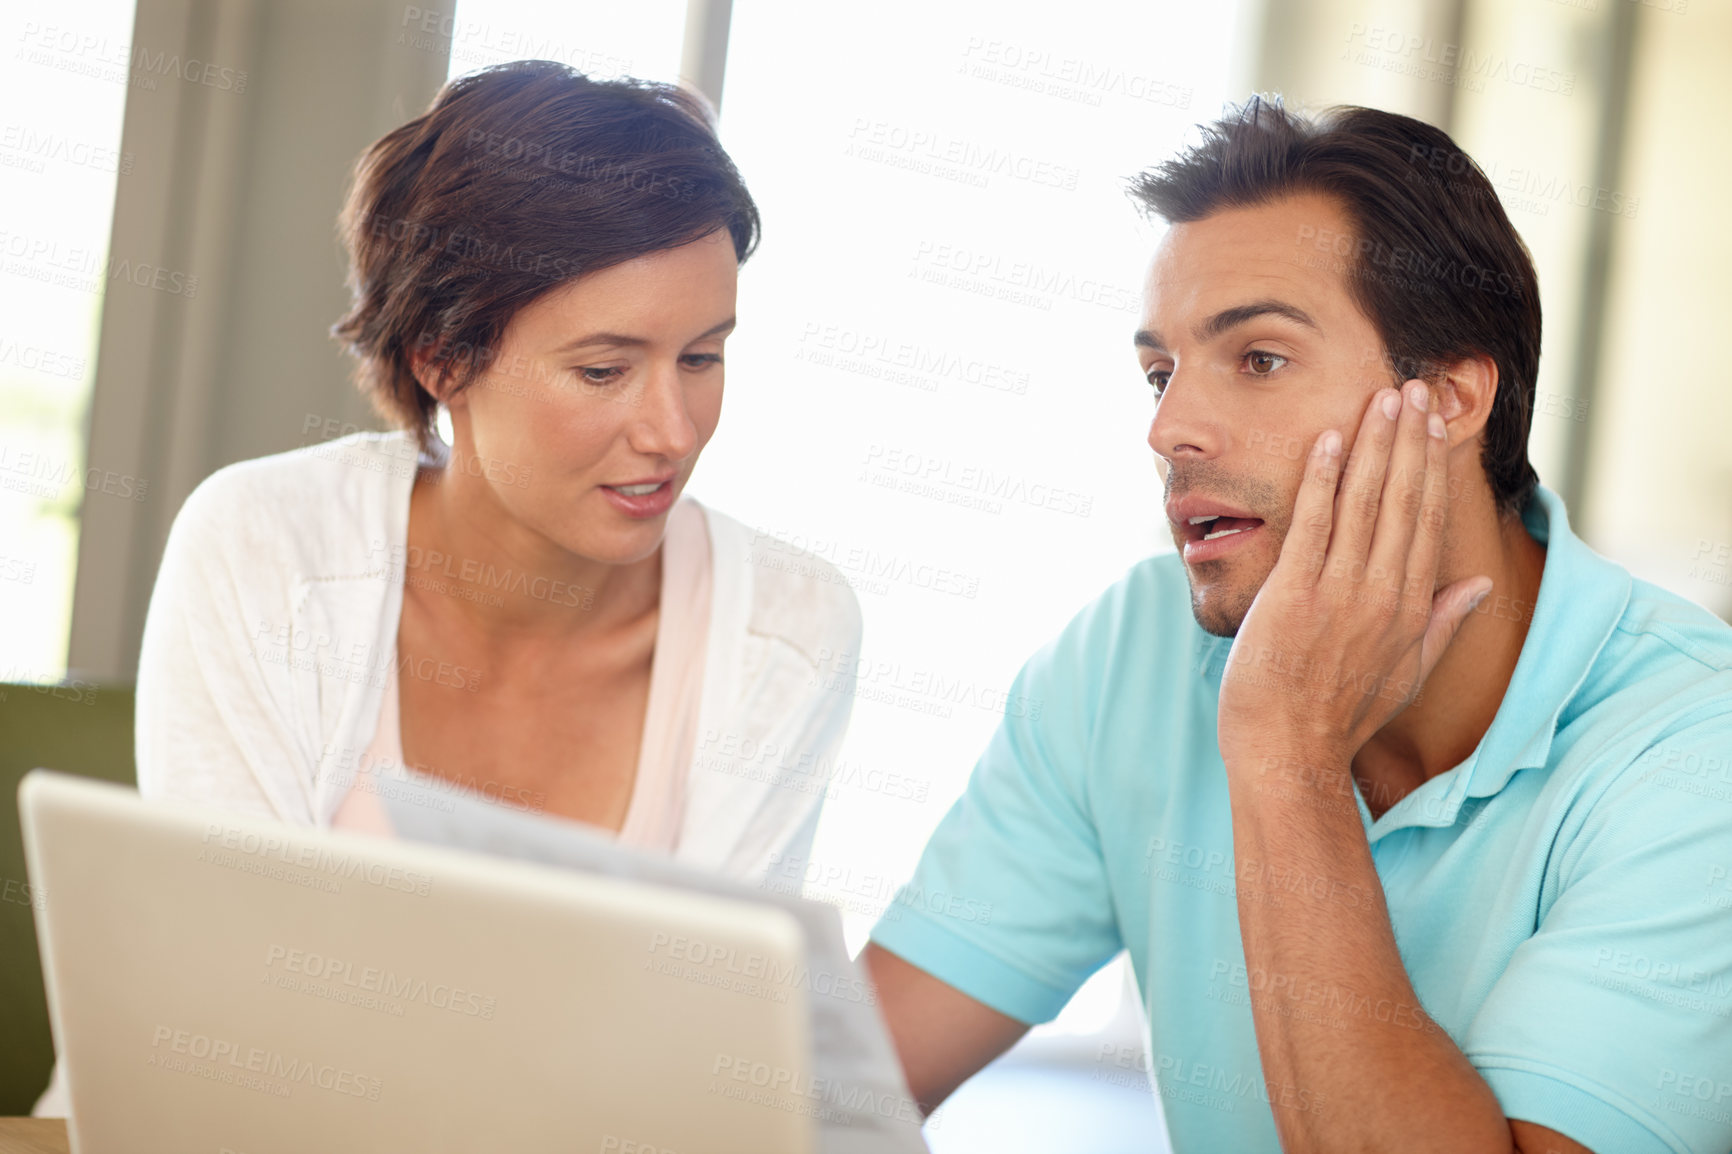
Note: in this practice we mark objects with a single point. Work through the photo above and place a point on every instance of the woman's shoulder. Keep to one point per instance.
(327, 506)
(358, 467)
(797, 597)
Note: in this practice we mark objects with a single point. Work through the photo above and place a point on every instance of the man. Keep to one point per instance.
(1396, 792)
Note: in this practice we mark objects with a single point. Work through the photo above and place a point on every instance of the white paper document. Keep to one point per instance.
(856, 1093)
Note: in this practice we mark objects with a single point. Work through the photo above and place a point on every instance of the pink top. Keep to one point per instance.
(657, 808)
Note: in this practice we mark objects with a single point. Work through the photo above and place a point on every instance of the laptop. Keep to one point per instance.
(221, 984)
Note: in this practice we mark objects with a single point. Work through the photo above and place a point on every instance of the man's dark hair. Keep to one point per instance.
(1434, 262)
(518, 179)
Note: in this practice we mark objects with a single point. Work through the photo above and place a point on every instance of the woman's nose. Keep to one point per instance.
(663, 423)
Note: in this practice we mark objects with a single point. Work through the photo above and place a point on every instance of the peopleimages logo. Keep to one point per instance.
(1433, 269)
(43, 475)
(237, 849)
(927, 690)
(35, 149)
(204, 1056)
(696, 959)
(862, 567)
(1019, 282)
(794, 767)
(91, 54)
(797, 1085)
(374, 980)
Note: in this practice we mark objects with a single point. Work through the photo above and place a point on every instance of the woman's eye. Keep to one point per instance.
(1262, 364)
(599, 376)
(701, 360)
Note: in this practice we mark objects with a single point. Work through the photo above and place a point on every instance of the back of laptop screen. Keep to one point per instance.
(221, 984)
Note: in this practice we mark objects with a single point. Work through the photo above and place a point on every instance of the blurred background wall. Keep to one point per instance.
(933, 385)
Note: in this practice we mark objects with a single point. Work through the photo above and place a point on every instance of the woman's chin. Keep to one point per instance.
(617, 544)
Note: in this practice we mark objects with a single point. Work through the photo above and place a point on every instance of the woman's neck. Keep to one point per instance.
(470, 561)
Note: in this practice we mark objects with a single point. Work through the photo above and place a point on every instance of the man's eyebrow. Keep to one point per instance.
(1227, 319)
(590, 340)
(1239, 314)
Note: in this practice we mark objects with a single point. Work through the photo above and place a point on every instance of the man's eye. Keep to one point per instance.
(701, 360)
(1158, 378)
(599, 376)
(1262, 364)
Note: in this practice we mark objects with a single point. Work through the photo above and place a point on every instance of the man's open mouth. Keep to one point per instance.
(1213, 526)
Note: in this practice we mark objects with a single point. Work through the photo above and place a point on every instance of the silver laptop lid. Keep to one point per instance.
(218, 983)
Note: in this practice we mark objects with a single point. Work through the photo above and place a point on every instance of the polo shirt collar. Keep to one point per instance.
(1581, 599)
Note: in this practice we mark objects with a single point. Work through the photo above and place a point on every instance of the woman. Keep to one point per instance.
(532, 613)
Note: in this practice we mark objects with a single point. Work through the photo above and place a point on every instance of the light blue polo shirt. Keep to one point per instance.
(1562, 899)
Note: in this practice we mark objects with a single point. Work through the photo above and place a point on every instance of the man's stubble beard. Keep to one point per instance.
(1219, 610)
(1220, 607)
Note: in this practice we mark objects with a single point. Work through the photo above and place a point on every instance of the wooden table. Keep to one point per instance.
(33, 1136)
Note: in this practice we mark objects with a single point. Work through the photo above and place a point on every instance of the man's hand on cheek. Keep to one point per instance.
(1346, 628)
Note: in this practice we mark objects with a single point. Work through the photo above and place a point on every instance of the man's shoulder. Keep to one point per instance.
(1666, 658)
(1663, 624)
(1150, 601)
(1137, 635)
(1655, 710)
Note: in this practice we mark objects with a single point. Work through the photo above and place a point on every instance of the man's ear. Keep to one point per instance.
(1463, 397)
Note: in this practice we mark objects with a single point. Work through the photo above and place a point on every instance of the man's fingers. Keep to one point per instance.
(1403, 495)
(1357, 501)
(1448, 610)
(1422, 559)
(1307, 541)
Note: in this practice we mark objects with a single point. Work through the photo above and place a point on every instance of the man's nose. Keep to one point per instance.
(1183, 425)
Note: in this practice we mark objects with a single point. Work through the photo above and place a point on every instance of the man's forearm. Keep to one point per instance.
(1351, 1059)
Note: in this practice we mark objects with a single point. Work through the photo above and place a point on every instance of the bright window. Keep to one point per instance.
(933, 385)
(605, 40)
(62, 99)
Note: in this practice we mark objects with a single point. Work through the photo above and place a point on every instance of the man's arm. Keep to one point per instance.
(942, 1036)
(1394, 1080)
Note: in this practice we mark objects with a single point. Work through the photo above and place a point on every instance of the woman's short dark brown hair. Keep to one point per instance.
(1435, 264)
(518, 178)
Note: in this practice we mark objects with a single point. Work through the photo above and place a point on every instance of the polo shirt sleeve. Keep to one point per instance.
(1613, 1023)
(1010, 902)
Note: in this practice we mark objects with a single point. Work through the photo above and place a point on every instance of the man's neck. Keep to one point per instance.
(1458, 702)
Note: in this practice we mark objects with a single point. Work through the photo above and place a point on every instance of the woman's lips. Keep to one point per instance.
(641, 506)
